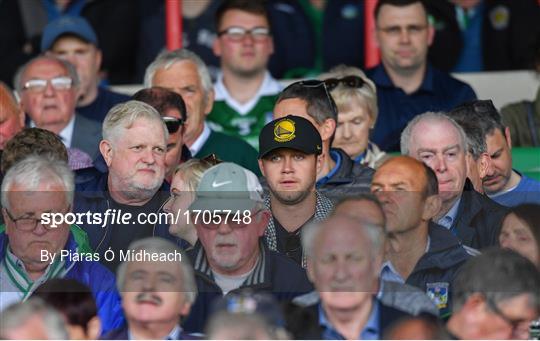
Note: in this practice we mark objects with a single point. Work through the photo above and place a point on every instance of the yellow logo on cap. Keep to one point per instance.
(284, 130)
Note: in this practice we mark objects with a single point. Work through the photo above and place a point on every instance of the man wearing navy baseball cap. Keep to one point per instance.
(73, 39)
(290, 155)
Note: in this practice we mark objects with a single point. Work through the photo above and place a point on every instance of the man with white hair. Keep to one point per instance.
(133, 147)
(230, 218)
(438, 141)
(343, 261)
(48, 89)
(156, 294)
(33, 249)
(185, 73)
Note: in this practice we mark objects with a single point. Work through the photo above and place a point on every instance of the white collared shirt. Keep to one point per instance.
(201, 140)
(66, 135)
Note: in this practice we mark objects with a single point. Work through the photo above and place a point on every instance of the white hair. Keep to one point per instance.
(435, 117)
(312, 232)
(123, 116)
(35, 170)
(17, 315)
(166, 59)
(160, 245)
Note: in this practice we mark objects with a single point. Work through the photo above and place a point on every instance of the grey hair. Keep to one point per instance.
(35, 170)
(476, 139)
(498, 275)
(343, 95)
(406, 135)
(70, 68)
(243, 326)
(311, 232)
(166, 59)
(123, 116)
(160, 245)
(18, 314)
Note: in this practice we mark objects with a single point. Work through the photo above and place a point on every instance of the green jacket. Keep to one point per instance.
(230, 149)
(515, 116)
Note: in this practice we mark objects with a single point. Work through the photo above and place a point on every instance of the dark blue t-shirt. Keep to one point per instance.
(105, 100)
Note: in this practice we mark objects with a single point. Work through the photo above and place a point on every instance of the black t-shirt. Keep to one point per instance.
(289, 243)
(124, 234)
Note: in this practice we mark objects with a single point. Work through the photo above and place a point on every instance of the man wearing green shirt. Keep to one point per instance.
(245, 90)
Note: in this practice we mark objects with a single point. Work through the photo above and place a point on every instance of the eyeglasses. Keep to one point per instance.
(515, 324)
(172, 123)
(349, 81)
(236, 33)
(395, 31)
(39, 85)
(30, 224)
(315, 83)
(212, 159)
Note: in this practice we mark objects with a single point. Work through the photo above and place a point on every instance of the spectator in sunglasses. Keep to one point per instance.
(356, 101)
(172, 109)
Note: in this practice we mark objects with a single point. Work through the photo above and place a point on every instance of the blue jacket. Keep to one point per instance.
(274, 273)
(438, 92)
(94, 275)
(90, 195)
(122, 334)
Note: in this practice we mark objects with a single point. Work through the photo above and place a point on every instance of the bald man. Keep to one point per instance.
(420, 252)
(11, 116)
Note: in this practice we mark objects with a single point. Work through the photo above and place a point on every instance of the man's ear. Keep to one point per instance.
(319, 162)
(327, 129)
(216, 47)
(309, 270)
(483, 165)
(209, 103)
(432, 206)
(99, 59)
(508, 137)
(431, 34)
(106, 150)
(264, 218)
(261, 167)
(93, 328)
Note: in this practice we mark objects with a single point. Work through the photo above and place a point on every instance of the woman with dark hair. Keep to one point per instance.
(521, 231)
(76, 304)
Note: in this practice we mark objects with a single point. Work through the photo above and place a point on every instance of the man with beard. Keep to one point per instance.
(230, 218)
(155, 294)
(133, 147)
(289, 158)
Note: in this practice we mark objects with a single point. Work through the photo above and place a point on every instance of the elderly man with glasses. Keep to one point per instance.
(32, 189)
(230, 218)
(47, 88)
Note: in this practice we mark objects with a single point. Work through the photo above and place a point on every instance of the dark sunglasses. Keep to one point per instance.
(349, 81)
(315, 83)
(172, 123)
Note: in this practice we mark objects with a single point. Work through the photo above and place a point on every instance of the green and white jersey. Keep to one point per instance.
(246, 120)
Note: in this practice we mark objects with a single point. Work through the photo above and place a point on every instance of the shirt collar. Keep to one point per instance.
(201, 140)
(369, 332)
(448, 219)
(337, 159)
(173, 335)
(381, 78)
(66, 134)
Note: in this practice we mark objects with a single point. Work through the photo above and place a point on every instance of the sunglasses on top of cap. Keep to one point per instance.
(348, 81)
(172, 123)
(315, 83)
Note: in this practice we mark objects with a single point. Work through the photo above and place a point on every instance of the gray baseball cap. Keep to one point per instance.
(227, 186)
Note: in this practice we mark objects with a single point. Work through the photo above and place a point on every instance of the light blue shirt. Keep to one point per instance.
(369, 332)
(449, 218)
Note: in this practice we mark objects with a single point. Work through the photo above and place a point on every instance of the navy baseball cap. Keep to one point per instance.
(67, 24)
(292, 132)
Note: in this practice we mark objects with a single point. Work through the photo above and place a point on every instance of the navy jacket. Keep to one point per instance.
(350, 178)
(99, 279)
(274, 273)
(479, 219)
(438, 267)
(438, 92)
(122, 334)
(296, 42)
(303, 322)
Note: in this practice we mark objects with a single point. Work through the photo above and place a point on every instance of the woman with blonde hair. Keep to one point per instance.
(186, 178)
(356, 100)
